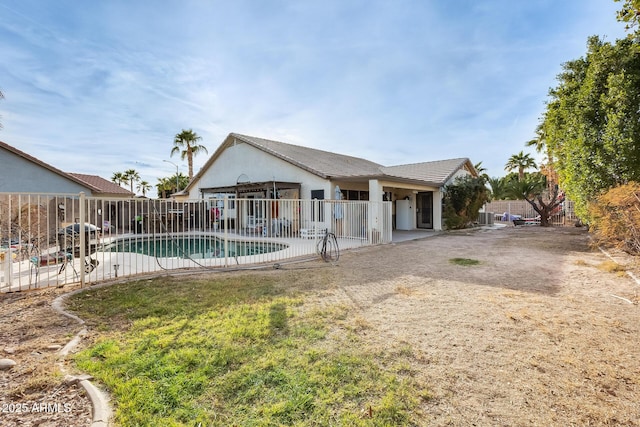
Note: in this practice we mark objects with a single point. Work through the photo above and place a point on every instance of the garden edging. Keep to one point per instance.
(101, 411)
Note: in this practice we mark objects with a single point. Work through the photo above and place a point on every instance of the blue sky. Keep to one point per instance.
(103, 86)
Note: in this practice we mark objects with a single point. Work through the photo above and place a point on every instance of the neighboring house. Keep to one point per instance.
(102, 187)
(250, 167)
(53, 190)
(23, 173)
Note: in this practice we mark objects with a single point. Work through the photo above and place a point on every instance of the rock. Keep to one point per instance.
(6, 364)
(9, 350)
(54, 347)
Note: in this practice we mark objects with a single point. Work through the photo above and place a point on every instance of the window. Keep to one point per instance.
(319, 195)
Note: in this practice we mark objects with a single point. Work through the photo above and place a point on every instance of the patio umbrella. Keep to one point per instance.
(337, 213)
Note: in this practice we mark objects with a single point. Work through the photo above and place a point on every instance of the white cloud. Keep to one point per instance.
(97, 87)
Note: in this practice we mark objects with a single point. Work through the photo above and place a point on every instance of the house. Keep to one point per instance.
(249, 167)
(46, 189)
(23, 173)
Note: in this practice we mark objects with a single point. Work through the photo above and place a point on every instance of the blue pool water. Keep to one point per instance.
(193, 247)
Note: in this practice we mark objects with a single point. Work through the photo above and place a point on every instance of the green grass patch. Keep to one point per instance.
(241, 351)
(464, 261)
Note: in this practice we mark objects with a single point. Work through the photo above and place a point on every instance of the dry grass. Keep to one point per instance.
(611, 267)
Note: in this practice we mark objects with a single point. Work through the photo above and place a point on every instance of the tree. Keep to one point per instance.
(520, 162)
(533, 189)
(498, 188)
(183, 181)
(630, 13)
(143, 187)
(131, 176)
(592, 121)
(481, 170)
(165, 185)
(463, 200)
(118, 178)
(185, 144)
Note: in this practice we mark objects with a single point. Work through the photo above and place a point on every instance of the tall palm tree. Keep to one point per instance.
(118, 178)
(521, 162)
(143, 187)
(131, 176)
(186, 144)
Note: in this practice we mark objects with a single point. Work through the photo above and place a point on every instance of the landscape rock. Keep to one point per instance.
(6, 364)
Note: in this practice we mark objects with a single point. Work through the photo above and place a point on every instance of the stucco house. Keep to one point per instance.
(23, 173)
(249, 167)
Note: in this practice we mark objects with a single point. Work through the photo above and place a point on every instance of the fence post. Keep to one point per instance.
(225, 210)
(83, 237)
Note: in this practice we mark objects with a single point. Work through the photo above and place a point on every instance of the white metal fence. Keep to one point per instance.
(52, 240)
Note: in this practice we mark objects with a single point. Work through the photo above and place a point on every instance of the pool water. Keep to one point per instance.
(193, 247)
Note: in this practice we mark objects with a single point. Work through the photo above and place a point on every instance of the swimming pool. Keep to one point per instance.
(197, 247)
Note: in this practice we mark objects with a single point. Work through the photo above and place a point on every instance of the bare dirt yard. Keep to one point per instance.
(543, 331)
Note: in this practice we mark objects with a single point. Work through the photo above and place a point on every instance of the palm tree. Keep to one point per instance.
(183, 181)
(521, 162)
(185, 144)
(143, 187)
(131, 176)
(540, 141)
(118, 178)
(482, 171)
(498, 188)
(164, 185)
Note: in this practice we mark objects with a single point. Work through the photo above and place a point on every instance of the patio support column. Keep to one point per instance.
(437, 210)
(375, 211)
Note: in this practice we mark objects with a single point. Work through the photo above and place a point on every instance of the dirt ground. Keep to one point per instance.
(539, 333)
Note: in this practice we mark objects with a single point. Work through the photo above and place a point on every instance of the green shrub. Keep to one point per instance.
(463, 200)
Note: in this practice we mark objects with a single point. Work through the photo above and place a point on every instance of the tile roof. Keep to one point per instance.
(333, 165)
(330, 165)
(101, 184)
(323, 163)
(437, 172)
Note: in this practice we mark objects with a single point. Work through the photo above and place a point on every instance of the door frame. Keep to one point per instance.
(420, 203)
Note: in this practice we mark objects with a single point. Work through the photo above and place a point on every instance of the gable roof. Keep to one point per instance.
(330, 165)
(44, 165)
(437, 172)
(93, 183)
(101, 185)
(322, 163)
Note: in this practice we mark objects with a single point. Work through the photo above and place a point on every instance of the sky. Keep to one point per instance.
(99, 87)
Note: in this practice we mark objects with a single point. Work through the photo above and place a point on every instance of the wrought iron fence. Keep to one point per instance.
(52, 240)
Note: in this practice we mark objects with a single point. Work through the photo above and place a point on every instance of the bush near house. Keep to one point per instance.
(463, 200)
